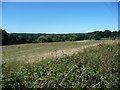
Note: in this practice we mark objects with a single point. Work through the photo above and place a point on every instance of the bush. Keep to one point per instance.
(94, 68)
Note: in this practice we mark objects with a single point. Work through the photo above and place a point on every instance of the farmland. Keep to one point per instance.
(36, 52)
(70, 64)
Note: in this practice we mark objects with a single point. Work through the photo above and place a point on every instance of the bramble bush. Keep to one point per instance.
(96, 67)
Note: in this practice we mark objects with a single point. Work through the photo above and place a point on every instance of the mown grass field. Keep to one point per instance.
(83, 64)
(27, 53)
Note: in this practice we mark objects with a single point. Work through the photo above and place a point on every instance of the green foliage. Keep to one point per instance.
(97, 35)
(4, 37)
(94, 68)
(41, 38)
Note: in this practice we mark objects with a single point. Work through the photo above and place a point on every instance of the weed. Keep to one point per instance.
(96, 67)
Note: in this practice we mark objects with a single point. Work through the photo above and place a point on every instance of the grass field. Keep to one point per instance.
(75, 64)
(27, 53)
(39, 51)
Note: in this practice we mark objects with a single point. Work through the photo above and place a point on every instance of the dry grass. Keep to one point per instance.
(16, 55)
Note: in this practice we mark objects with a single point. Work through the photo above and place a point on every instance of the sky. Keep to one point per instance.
(59, 17)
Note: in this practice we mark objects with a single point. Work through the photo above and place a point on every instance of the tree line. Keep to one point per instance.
(21, 38)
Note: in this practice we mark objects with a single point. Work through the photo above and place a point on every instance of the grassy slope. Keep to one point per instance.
(17, 55)
(14, 51)
(95, 67)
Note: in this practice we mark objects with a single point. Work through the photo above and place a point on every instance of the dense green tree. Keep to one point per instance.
(4, 37)
(106, 33)
(81, 37)
(13, 39)
(20, 38)
(0, 37)
(41, 39)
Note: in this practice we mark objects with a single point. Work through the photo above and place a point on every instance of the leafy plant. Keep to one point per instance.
(95, 68)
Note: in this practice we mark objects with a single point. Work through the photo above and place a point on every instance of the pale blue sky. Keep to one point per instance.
(59, 17)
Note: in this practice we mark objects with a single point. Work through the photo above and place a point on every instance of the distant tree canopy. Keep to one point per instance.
(21, 38)
(97, 35)
(4, 37)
